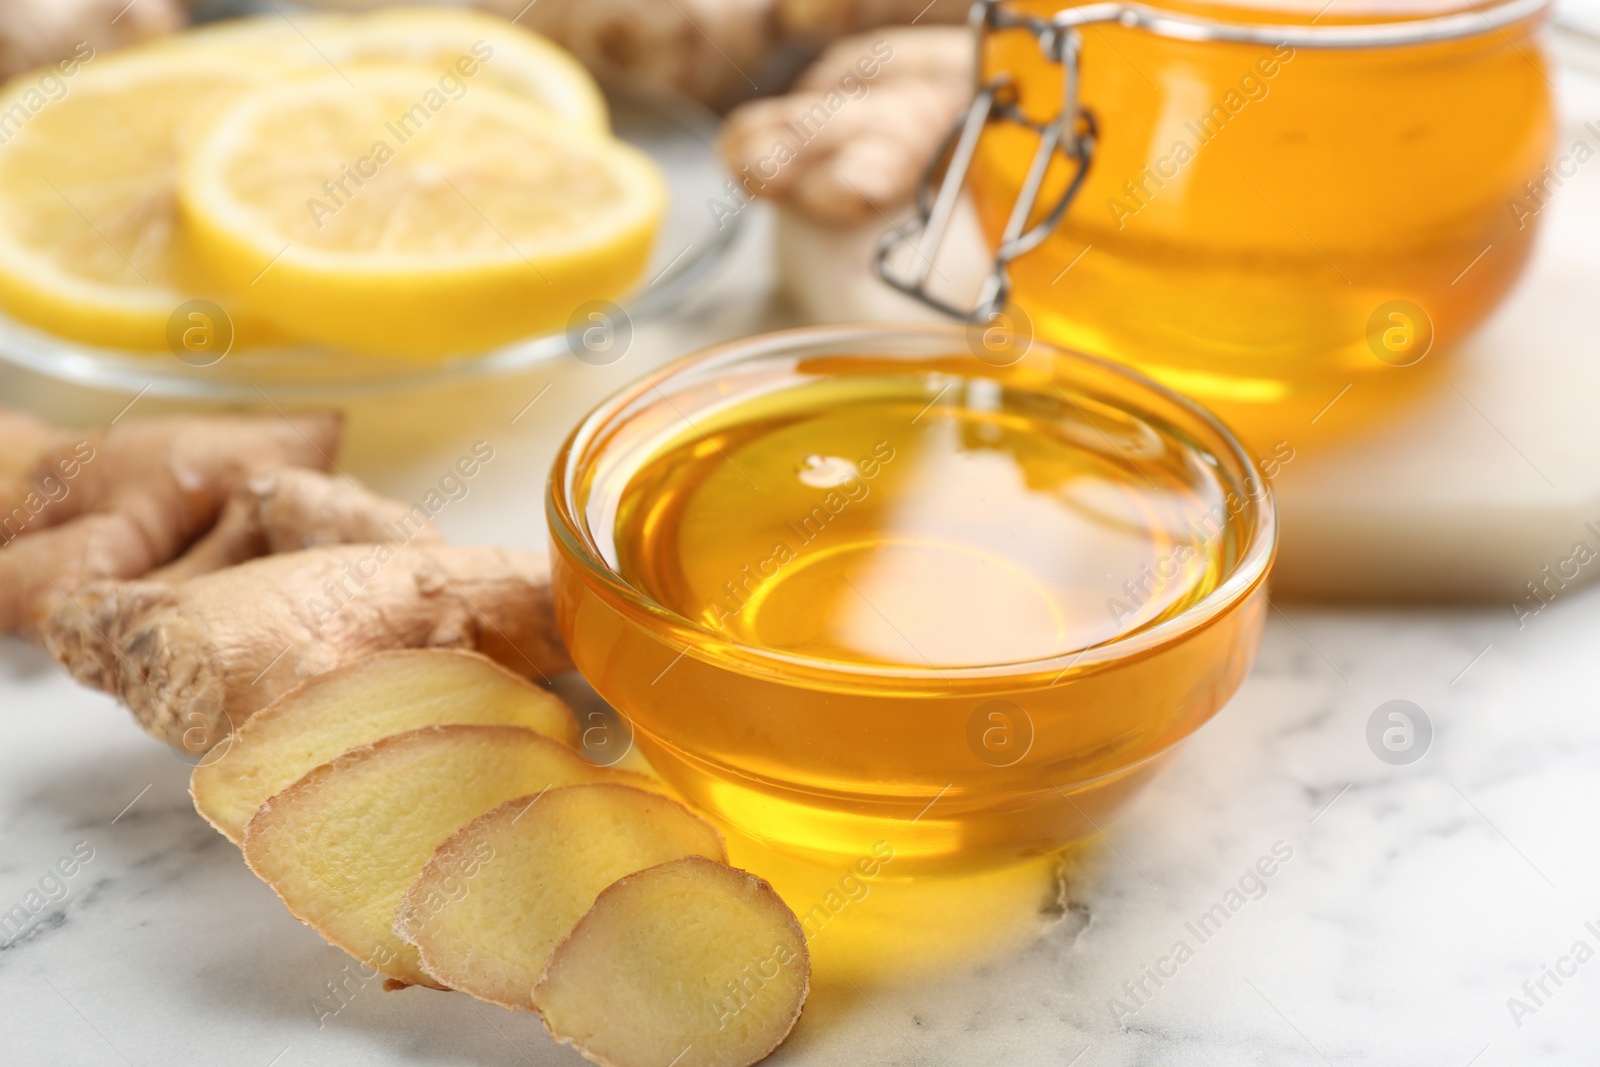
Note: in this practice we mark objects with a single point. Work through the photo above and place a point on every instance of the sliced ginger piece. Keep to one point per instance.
(356, 704)
(342, 844)
(498, 896)
(690, 963)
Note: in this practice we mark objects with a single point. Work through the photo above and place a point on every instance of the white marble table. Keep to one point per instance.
(1415, 901)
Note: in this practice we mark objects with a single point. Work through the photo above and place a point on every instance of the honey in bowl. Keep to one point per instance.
(854, 588)
(1264, 224)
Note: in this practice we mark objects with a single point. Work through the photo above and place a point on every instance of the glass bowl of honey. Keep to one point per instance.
(867, 587)
(1260, 203)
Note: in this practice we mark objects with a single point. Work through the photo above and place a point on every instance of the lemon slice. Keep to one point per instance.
(457, 46)
(87, 209)
(384, 216)
(477, 49)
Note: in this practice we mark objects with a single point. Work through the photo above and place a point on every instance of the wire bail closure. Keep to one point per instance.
(1071, 134)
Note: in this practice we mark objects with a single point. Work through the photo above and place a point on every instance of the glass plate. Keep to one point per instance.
(678, 133)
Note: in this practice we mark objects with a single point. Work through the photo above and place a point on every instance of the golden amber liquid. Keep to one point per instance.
(983, 532)
(883, 537)
(1250, 208)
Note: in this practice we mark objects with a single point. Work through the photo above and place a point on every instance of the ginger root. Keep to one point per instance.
(717, 51)
(294, 508)
(36, 32)
(850, 142)
(194, 658)
(711, 50)
(834, 18)
(203, 638)
(122, 502)
(24, 439)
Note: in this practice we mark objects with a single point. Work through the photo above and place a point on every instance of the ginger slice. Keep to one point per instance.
(357, 704)
(498, 896)
(343, 844)
(690, 963)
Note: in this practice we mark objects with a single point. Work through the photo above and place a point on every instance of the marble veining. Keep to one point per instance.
(1416, 902)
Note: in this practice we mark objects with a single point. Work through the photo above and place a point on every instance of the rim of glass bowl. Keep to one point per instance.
(931, 339)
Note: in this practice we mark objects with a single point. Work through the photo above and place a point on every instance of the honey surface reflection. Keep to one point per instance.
(858, 523)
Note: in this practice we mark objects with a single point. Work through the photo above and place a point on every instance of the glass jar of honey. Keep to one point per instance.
(859, 589)
(1261, 203)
